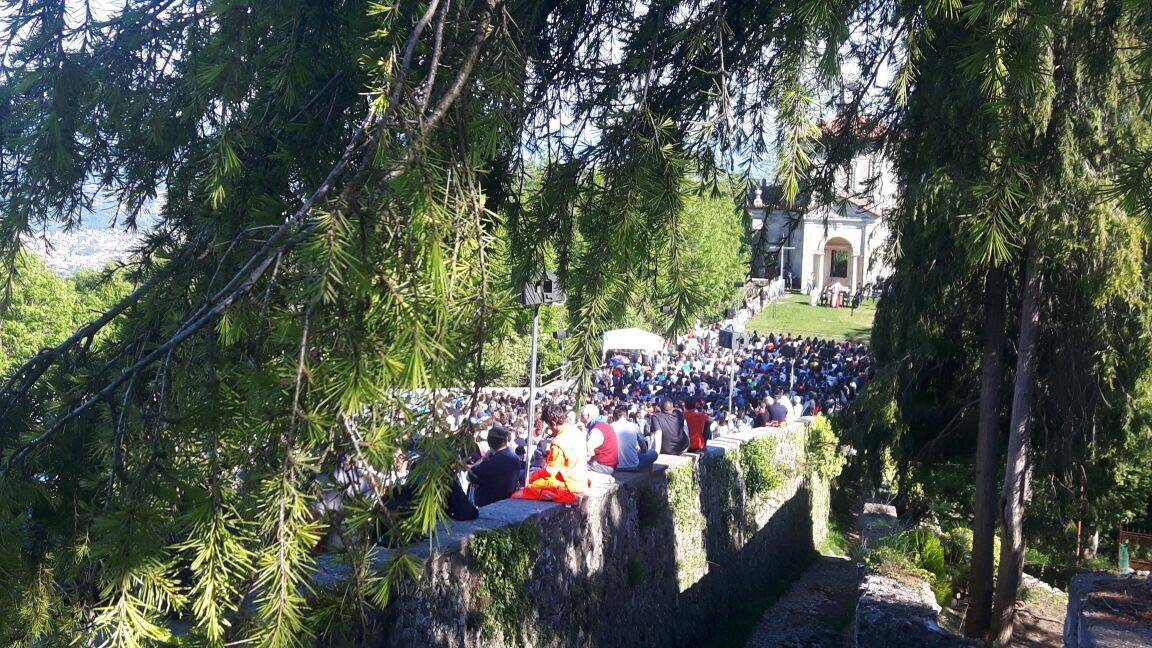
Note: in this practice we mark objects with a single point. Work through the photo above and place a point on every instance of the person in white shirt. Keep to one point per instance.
(783, 399)
(633, 452)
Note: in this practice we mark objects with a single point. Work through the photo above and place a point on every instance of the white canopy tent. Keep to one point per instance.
(631, 339)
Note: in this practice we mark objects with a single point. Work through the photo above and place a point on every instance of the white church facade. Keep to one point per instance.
(843, 242)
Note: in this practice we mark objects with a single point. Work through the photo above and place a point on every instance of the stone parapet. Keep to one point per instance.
(1108, 611)
(655, 558)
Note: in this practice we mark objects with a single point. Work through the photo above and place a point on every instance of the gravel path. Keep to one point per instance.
(815, 612)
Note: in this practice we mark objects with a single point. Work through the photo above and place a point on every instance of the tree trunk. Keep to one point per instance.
(1016, 472)
(979, 614)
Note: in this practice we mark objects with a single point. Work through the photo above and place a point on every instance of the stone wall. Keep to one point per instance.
(1108, 611)
(895, 610)
(658, 558)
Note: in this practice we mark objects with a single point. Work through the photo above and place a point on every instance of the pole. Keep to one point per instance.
(731, 388)
(528, 449)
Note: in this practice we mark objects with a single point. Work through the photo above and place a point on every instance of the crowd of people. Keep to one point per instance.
(645, 404)
(642, 404)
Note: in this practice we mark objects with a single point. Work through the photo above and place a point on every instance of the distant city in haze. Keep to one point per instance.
(93, 245)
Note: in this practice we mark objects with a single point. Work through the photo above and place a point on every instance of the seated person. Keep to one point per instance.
(602, 447)
(404, 496)
(633, 453)
(566, 464)
(670, 428)
(497, 475)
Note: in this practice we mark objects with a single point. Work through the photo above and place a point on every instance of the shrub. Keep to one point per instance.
(824, 456)
(893, 563)
(758, 463)
(836, 543)
(957, 543)
(920, 551)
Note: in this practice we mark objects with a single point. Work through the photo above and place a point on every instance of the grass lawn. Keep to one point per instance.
(794, 315)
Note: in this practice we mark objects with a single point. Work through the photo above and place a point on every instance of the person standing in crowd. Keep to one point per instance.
(809, 407)
(497, 475)
(669, 428)
(602, 445)
(699, 426)
(633, 453)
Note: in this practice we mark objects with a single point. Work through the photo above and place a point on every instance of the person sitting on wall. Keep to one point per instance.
(497, 475)
(670, 429)
(633, 453)
(602, 445)
(777, 410)
(565, 471)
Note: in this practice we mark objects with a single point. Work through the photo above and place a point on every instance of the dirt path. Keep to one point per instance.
(815, 612)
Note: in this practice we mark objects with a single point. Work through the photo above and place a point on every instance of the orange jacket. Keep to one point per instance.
(567, 460)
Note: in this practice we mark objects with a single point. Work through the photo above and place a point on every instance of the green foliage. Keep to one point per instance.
(836, 542)
(889, 561)
(689, 522)
(762, 473)
(1045, 599)
(918, 552)
(957, 545)
(823, 456)
(345, 187)
(505, 559)
(45, 308)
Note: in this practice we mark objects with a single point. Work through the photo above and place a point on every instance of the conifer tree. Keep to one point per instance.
(331, 178)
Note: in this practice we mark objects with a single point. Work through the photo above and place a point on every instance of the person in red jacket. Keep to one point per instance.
(603, 446)
(699, 426)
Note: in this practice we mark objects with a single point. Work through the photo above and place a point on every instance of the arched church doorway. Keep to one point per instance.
(838, 262)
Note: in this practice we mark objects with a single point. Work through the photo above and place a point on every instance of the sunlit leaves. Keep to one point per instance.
(994, 230)
(797, 144)
(138, 600)
(221, 559)
(284, 566)
(1133, 188)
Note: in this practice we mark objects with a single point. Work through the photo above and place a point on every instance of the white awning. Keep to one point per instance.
(631, 339)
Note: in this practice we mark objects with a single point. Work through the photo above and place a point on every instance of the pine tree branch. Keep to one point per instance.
(289, 234)
(453, 92)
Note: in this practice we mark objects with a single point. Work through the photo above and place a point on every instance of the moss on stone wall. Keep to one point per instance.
(684, 499)
(724, 475)
(505, 559)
